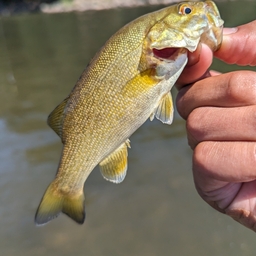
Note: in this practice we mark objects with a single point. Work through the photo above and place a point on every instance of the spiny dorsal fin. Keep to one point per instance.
(113, 168)
(164, 110)
(55, 119)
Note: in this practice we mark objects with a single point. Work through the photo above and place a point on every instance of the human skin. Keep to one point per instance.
(220, 114)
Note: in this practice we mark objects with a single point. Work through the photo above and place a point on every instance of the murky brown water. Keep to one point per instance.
(155, 211)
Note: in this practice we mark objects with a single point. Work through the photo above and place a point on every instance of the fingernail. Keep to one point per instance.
(228, 31)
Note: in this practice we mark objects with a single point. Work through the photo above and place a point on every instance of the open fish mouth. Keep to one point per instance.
(165, 53)
(201, 24)
(168, 53)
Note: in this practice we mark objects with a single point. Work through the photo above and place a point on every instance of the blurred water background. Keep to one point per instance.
(156, 210)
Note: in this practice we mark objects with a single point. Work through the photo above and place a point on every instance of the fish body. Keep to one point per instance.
(128, 81)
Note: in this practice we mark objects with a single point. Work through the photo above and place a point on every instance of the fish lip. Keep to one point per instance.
(185, 41)
(211, 31)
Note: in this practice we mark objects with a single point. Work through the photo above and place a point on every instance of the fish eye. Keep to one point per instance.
(184, 9)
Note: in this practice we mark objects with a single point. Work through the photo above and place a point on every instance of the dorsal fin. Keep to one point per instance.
(55, 119)
(113, 168)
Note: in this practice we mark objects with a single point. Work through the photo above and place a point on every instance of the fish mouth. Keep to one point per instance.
(168, 53)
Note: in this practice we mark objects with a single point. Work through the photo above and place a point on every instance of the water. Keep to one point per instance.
(155, 211)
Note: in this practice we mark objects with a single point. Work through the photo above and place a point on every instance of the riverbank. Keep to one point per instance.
(11, 7)
(84, 5)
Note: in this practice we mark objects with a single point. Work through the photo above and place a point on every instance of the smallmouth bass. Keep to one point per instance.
(128, 81)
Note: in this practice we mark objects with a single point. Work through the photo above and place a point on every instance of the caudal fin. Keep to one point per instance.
(53, 203)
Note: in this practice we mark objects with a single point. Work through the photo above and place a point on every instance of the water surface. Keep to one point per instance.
(155, 211)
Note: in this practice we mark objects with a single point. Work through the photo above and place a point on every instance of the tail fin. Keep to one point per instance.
(54, 202)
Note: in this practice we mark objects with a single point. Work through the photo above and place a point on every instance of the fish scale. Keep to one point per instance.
(128, 81)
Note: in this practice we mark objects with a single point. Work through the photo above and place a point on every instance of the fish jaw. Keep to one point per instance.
(185, 30)
(170, 66)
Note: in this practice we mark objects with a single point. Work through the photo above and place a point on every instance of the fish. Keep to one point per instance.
(128, 81)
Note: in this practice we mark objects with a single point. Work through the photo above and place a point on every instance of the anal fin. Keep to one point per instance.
(164, 110)
(113, 168)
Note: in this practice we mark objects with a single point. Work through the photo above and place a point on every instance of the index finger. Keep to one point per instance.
(232, 89)
(198, 64)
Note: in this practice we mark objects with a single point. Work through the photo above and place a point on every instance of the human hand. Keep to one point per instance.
(221, 125)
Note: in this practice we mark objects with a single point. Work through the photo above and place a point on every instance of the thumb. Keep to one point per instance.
(238, 46)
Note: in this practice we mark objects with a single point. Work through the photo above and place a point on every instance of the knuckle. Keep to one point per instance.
(200, 155)
(192, 120)
(242, 87)
(195, 128)
(254, 154)
(252, 117)
(197, 121)
(181, 103)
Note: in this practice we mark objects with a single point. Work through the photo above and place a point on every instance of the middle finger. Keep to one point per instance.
(227, 90)
(221, 124)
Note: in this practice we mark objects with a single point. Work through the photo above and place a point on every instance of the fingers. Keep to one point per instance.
(218, 124)
(219, 168)
(221, 124)
(224, 174)
(226, 90)
(242, 208)
(223, 161)
(239, 47)
(198, 64)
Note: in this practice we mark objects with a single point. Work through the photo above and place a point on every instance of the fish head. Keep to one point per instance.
(183, 27)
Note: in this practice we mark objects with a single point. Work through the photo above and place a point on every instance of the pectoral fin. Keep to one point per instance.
(164, 110)
(113, 168)
(55, 119)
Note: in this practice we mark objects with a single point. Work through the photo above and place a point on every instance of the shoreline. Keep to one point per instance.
(85, 5)
(61, 6)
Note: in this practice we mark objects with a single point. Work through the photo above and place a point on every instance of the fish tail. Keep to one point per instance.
(54, 202)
